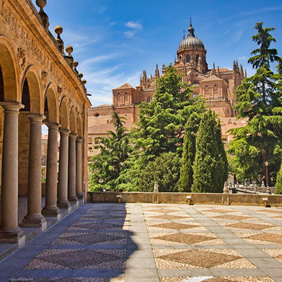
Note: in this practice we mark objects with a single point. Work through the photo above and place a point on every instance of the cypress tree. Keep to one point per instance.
(189, 151)
(210, 159)
(279, 181)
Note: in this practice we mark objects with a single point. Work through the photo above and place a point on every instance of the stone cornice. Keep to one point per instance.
(44, 47)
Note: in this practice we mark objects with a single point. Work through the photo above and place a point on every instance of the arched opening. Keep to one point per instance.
(188, 58)
(31, 99)
(1, 86)
(64, 114)
(149, 99)
(197, 58)
(73, 121)
(8, 86)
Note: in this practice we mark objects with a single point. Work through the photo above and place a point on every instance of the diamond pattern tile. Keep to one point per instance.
(91, 238)
(185, 238)
(269, 237)
(78, 259)
(173, 225)
(95, 226)
(200, 258)
(163, 210)
(217, 211)
(231, 217)
(251, 226)
(169, 217)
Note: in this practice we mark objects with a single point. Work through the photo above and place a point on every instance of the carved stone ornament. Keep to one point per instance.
(22, 59)
(44, 75)
(59, 89)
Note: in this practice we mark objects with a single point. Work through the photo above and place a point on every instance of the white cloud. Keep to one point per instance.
(129, 33)
(134, 25)
(97, 59)
(243, 58)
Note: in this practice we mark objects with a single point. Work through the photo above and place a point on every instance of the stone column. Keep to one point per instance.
(79, 193)
(63, 170)
(34, 216)
(51, 208)
(10, 231)
(72, 168)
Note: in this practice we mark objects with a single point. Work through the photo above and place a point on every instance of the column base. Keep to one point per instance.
(12, 235)
(65, 204)
(79, 196)
(34, 221)
(73, 199)
(51, 211)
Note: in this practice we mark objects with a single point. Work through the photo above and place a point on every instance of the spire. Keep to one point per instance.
(183, 34)
(213, 70)
(157, 73)
(191, 29)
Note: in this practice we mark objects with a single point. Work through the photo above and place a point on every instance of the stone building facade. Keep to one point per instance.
(215, 85)
(39, 84)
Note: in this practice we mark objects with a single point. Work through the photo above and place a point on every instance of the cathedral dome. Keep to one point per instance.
(191, 40)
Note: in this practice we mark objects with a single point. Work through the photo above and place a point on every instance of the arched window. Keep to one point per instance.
(149, 99)
(197, 58)
(180, 58)
(188, 58)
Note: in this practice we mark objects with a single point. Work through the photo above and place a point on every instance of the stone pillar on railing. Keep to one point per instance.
(255, 188)
(225, 188)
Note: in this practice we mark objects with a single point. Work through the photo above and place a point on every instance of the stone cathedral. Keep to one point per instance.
(215, 85)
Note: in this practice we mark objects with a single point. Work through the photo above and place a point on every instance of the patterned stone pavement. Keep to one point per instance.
(154, 242)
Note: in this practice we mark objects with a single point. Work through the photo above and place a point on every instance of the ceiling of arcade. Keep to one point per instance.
(34, 56)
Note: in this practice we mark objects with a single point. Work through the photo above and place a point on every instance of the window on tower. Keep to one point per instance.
(188, 58)
(197, 58)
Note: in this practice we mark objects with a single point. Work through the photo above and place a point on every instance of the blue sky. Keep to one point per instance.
(115, 40)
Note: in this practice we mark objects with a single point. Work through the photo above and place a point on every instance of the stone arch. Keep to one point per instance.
(31, 78)
(9, 72)
(73, 120)
(51, 104)
(79, 126)
(64, 114)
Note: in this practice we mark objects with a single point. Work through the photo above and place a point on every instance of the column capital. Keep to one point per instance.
(64, 132)
(73, 135)
(53, 125)
(36, 117)
(79, 139)
(11, 106)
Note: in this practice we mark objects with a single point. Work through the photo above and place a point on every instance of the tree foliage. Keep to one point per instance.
(108, 164)
(259, 99)
(160, 128)
(279, 181)
(164, 170)
(210, 165)
(189, 152)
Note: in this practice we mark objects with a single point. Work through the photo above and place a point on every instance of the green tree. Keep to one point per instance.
(279, 181)
(160, 128)
(114, 150)
(164, 170)
(189, 152)
(210, 163)
(258, 99)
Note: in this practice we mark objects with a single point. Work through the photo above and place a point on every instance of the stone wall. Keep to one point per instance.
(181, 198)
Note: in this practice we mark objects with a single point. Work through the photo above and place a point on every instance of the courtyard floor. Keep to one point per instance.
(154, 242)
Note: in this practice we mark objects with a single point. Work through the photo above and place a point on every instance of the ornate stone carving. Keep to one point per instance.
(60, 90)
(22, 59)
(44, 75)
